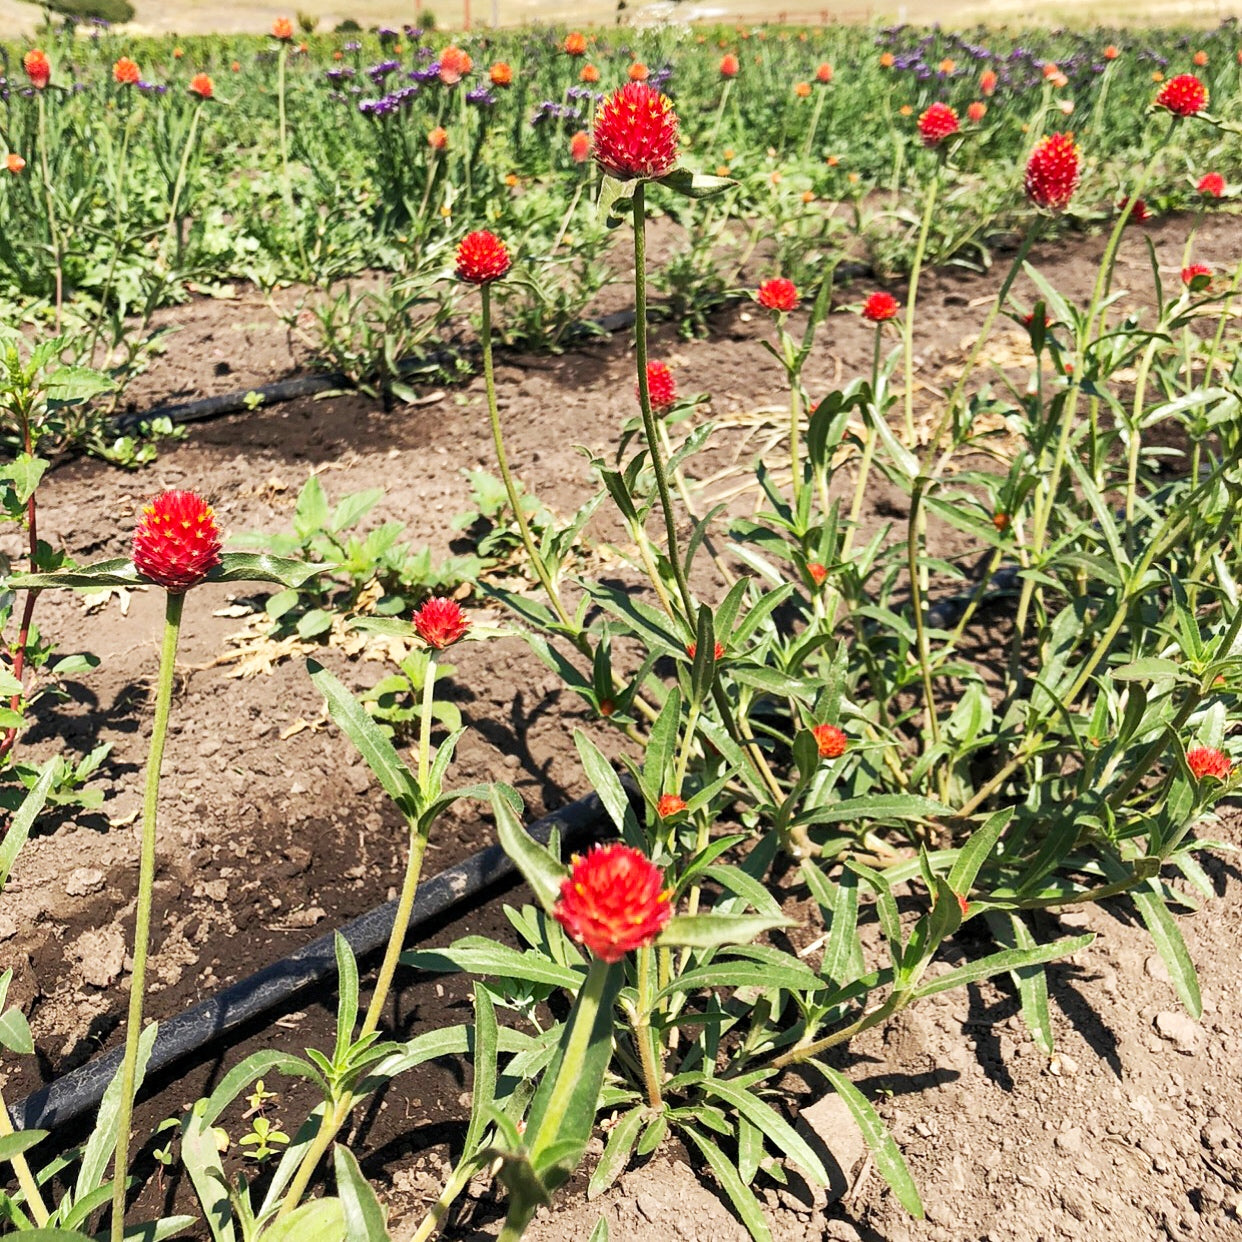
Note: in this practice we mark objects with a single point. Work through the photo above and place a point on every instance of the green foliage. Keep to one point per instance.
(115, 11)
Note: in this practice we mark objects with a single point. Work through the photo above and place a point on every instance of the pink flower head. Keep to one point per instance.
(661, 386)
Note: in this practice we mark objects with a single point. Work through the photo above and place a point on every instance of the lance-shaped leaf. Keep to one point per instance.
(696, 184)
(121, 572)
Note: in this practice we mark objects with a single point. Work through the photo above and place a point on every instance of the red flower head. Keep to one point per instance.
(1212, 185)
(1183, 95)
(817, 572)
(1111, 52)
(482, 258)
(636, 133)
(879, 307)
(501, 74)
(670, 805)
(639, 72)
(777, 294)
(589, 74)
(14, 162)
(202, 86)
(1052, 172)
(37, 68)
(886, 60)
(440, 622)
(718, 651)
(580, 147)
(1205, 761)
(1200, 58)
(987, 82)
(454, 65)
(437, 139)
(802, 90)
(613, 901)
(125, 72)
(575, 44)
(937, 124)
(830, 740)
(975, 112)
(730, 67)
(661, 387)
(282, 29)
(1138, 213)
(177, 542)
(1197, 277)
(823, 73)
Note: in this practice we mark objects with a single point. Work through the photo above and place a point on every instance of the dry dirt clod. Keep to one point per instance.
(1179, 1029)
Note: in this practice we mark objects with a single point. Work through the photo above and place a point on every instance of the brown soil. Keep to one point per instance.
(273, 831)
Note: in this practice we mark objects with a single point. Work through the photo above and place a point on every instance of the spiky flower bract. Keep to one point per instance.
(176, 542)
(670, 805)
(937, 123)
(440, 622)
(613, 901)
(482, 257)
(661, 386)
(1212, 185)
(38, 70)
(1196, 277)
(282, 29)
(1183, 95)
(830, 740)
(635, 134)
(202, 86)
(1205, 761)
(730, 66)
(1052, 172)
(125, 72)
(777, 294)
(880, 307)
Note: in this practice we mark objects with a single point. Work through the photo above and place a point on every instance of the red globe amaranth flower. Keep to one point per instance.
(440, 622)
(176, 542)
(670, 805)
(987, 82)
(282, 29)
(580, 147)
(661, 387)
(937, 123)
(575, 44)
(879, 307)
(817, 572)
(14, 162)
(777, 294)
(976, 111)
(830, 740)
(718, 650)
(437, 139)
(454, 65)
(482, 258)
(803, 91)
(639, 72)
(1001, 521)
(1138, 212)
(1197, 277)
(1212, 185)
(1052, 172)
(1111, 52)
(125, 72)
(38, 70)
(823, 74)
(501, 74)
(1200, 58)
(887, 59)
(202, 86)
(613, 901)
(1183, 95)
(589, 74)
(730, 66)
(1205, 761)
(636, 134)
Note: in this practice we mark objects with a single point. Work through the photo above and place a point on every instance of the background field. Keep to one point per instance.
(237, 16)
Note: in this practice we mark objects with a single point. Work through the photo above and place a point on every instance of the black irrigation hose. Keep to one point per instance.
(71, 1095)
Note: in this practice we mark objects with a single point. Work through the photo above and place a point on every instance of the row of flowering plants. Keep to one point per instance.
(136, 169)
(802, 713)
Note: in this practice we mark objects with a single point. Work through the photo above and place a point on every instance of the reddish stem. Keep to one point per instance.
(23, 634)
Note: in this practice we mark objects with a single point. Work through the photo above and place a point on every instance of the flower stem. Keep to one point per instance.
(912, 297)
(652, 1074)
(644, 399)
(502, 460)
(142, 918)
(25, 1178)
(179, 184)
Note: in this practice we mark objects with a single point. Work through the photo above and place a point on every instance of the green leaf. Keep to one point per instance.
(842, 955)
(695, 184)
(483, 1059)
(775, 1128)
(710, 931)
(321, 1220)
(201, 1157)
(611, 792)
(347, 996)
(1007, 959)
(26, 471)
(887, 1157)
(260, 567)
(50, 1235)
(538, 867)
(1163, 929)
(617, 1153)
(740, 1195)
(14, 1144)
(364, 1218)
(600, 1232)
(76, 384)
(976, 852)
(154, 1230)
(257, 1064)
(119, 571)
(15, 1033)
(1010, 930)
(795, 977)
(380, 754)
(875, 806)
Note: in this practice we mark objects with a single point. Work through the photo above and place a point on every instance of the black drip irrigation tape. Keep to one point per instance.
(73, 1094)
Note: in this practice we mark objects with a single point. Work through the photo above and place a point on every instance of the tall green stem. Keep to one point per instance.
(502, 460)
(912, 298)
(25, 1178)
(50, 201)
(652, 1073)
(142, 918)
(179, 183)
(644, 400)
